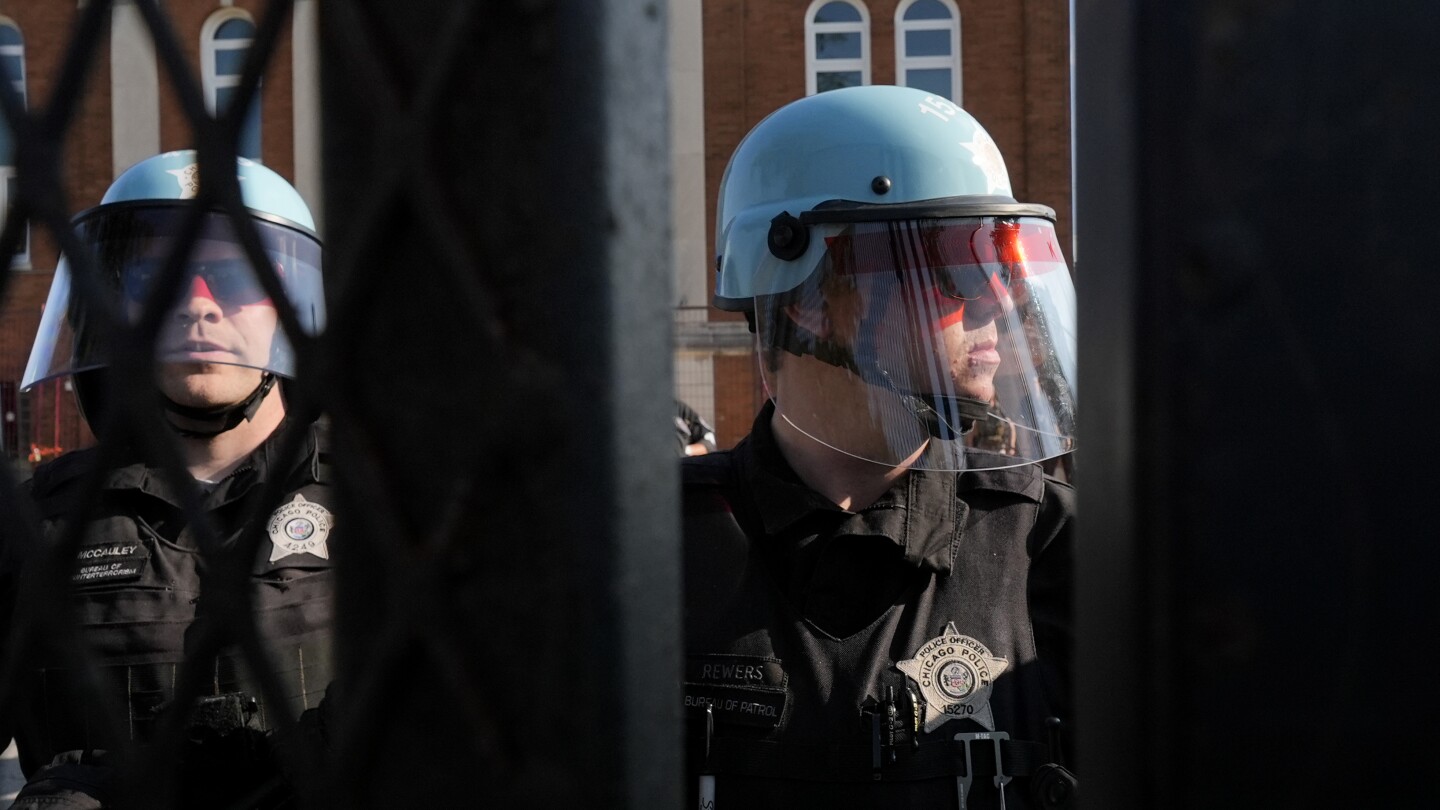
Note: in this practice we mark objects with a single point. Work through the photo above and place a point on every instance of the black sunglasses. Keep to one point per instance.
(231, 281)
(971, 282)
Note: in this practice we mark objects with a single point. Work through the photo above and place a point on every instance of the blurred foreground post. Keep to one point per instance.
(497, 217)
(1256, 193)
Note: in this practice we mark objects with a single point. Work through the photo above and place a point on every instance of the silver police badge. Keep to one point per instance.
(955, 674)
(300, 527)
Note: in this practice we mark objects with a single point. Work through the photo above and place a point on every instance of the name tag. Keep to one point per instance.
(738, 706)
(110, 562)
(745, 690)
(734, 670)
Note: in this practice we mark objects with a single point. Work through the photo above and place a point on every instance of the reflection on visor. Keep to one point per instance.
(132, 243)
(231, 282)
(969, 282)
(949, 341)
(966, 260)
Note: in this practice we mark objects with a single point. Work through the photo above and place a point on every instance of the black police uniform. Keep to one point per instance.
(136, 585)
(801, 618)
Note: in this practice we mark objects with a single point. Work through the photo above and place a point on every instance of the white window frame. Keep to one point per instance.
(813, 65)
(903, 62)
(21, 261)
(210, 46)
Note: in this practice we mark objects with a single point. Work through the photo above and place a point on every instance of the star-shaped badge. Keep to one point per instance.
(300, 527)
(986, 155)
(955, 674)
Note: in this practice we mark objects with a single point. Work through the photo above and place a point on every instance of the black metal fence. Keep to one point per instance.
(496, 370)
(1257, 331)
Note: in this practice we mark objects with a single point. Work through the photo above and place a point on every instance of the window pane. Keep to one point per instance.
(927, 10)
(235, 29)
(927, 43)
(7, 145)
(834, 80)
(10, 35)
(837, 12)
(230, 63)
(837, 46)
(935, 81)
(223, 95)
(13, 67)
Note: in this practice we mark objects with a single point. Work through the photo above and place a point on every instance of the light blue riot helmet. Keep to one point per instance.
(132, 234)
(909, 311)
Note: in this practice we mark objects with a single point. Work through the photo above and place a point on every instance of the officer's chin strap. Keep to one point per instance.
(800, 341)
(969, 410)
(225, 417)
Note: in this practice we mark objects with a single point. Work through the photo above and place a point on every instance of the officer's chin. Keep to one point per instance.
(207, 385)
(975, 389)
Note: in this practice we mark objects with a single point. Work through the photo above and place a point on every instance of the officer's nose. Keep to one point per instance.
(198, 303)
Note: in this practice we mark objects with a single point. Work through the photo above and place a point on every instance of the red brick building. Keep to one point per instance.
(1007, 62)
(128, 113)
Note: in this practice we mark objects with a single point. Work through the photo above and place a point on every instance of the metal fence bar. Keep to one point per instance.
(1256, 320)
(497, 221)
(1112, 610)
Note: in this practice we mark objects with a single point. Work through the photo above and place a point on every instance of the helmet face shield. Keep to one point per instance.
(219, 313)
(945, 344)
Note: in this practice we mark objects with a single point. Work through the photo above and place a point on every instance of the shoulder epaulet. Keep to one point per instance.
(710, 470)
(1026, 480)
(1059, 500)
(52, 475)
(1057, 510)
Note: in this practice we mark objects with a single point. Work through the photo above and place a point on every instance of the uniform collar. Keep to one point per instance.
(922, 512)
(154, 480)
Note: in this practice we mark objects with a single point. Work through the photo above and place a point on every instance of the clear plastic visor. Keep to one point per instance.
(942, 344)
(217, 311)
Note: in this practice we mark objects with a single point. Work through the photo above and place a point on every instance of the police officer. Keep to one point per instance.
(138, 580)
(877, 577)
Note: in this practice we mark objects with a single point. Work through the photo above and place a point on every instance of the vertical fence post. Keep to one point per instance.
(497, 181)
(1258, 444)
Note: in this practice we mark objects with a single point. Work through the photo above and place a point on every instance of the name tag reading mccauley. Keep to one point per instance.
(110, 562)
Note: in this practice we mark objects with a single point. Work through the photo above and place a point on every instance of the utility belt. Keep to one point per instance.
(223, 742)
(969, 758)
(144, 692)
(222, 759)
(855, 763)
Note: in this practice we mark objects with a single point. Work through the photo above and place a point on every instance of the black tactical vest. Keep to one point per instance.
(135, 590)
(783, 713)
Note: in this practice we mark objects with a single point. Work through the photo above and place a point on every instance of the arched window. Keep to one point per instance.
(224, 45)
(12, 69)
(927, 47)
(837, 45)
